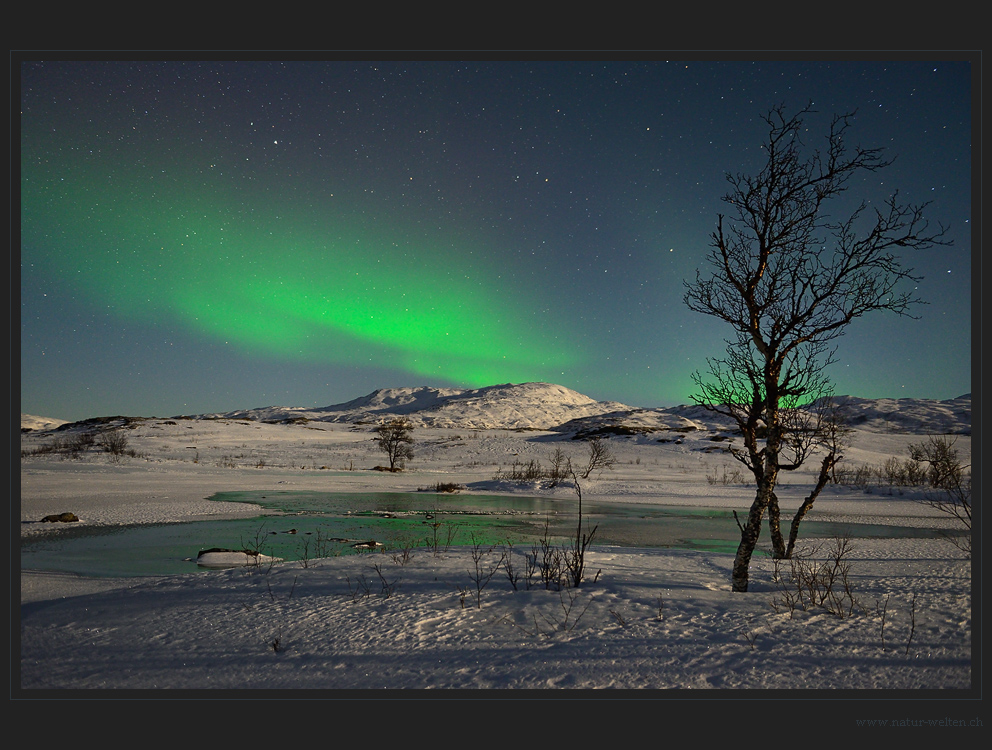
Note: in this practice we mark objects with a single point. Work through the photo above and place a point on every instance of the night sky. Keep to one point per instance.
(203, 236)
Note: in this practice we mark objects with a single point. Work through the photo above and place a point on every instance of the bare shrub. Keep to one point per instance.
(561, 566)
(114, 442)
(732, 476)
(402, 556)
(561, 467)
(439, 541)
(933, 465)
(483, 569)
(546, 561)
(448, 487)
(944, 467)
(314, 547)
(69, 446)
(575, 558)
(362, 588)
(303, 545)
(521, 471)
(254, 547)
(818, 581)
(949, 482)
(600, 457)
(512, 572)
(387, 588)
(571, 612)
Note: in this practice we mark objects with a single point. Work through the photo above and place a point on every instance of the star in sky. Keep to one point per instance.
(301, 232)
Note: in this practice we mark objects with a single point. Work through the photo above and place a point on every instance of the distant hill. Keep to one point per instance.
(31, 422)
(546, 406)
(909, 415)
(538, 406)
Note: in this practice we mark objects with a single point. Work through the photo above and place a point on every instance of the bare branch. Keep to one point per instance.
(788, 278)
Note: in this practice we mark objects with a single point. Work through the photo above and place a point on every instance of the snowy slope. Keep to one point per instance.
(540, 406)
(31, 422)
(912, 416)
(411, 617)
(909, 415)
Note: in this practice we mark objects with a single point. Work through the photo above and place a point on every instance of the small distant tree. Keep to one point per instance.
(940, 457)
(949, 482)
(600, 457)
(790, 271)
(395, 439)
(561, 467)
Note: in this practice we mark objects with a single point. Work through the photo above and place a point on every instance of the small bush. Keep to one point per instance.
(68, 446)
(733, 476)
(818, 581)
(114, 442)
(523, 472)
(933, 465)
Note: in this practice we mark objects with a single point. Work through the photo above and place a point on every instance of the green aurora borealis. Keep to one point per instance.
(203, 236)
(302, 287)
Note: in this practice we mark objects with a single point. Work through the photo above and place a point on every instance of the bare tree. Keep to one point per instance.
(575, 558)
(600, 457)
(561, 467)
(395, 438)
(949, 480)
(789, 277)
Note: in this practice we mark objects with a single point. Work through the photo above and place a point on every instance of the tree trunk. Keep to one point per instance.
(763, 498)
(829, 462)
(749, 536)
(775, 528)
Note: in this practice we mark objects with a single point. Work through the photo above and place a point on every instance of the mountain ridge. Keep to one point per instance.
(535, 405)
(552, 407)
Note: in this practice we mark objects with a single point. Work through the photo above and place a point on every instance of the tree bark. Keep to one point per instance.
(749, 536)
(775, 527)
(829, 462)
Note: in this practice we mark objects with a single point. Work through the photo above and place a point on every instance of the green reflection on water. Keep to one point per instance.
(311, 525)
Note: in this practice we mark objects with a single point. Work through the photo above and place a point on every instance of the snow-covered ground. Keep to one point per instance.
(416, 618)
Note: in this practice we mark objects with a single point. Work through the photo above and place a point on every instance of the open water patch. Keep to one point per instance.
(308, 525)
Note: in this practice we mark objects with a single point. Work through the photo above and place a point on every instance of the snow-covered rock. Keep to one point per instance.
(232, 558)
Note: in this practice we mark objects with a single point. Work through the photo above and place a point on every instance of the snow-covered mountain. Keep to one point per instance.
(546, 406)
(915, 416)
(539, 406)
